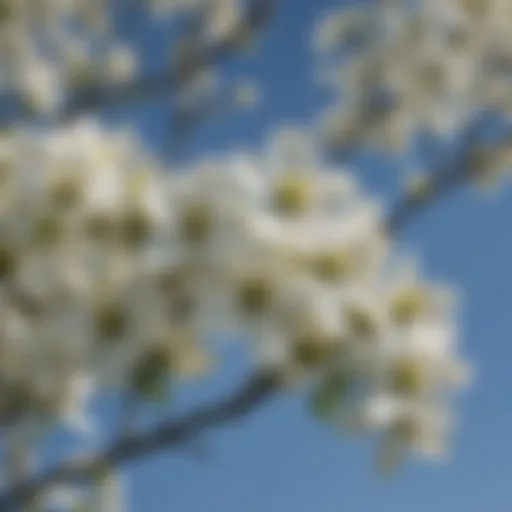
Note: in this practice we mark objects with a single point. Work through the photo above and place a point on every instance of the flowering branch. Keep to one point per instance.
(167, 435)
(93, 99)
(257, 389)
(194, 58)
(151, 310)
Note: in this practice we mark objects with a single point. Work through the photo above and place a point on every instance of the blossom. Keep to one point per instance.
(117, 274)
(400, 68)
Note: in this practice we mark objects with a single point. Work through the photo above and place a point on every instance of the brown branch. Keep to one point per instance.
(444, 180)
(165, 436)
(440, 185)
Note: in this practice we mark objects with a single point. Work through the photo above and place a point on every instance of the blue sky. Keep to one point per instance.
(281, 460)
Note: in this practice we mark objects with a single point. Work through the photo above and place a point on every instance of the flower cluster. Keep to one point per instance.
(399, 66)
(52, 51)
(52, 47)
(116, 273)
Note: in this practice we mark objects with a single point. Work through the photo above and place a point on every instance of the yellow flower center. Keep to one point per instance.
(135, 227)
(408, 305)
(65, 192)
(360, 322)
(196, 224)
(332, 266)
(111, 321)
(255, 295)
(408, 377)
(292, 195)
(311, 350)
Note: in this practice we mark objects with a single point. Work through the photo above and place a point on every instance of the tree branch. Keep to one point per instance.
(444, 180)
(165, 436)
(440, 184)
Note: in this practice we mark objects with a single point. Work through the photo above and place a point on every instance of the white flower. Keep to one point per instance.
(127, 276)
(413, 66)
(120, 65)
(41, 85)
(340, 28)
(223, 19)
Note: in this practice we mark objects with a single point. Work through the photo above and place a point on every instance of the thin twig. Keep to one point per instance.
(441, 182)
(165, 436)
(440, 185)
